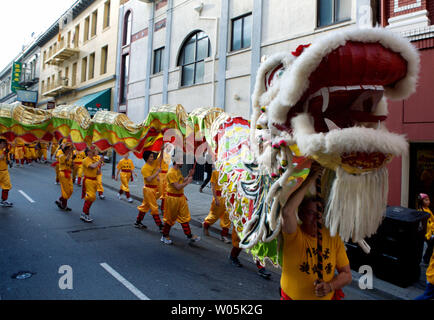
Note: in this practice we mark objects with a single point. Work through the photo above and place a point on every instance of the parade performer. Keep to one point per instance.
(53, 149)
(43, 152)
(28, 155)
(57, 153)
(12, 152)
(5, 182)
(99, 187)
(429, 290)
(423, 203)
(19, 152)
(310, 254)
(235, 252)
(125, 169)
(164, 165)
(176, 206)
(150, 171)
(33, 152)
(91, 165)
(65, 176)
(78, 167)
(217, 210)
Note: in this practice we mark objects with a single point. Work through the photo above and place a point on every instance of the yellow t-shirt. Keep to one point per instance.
(214, 180)
(300, 263)
(3, 162)
(64, 164)
(174, 175)
(87, 171)
(429, 224)
(125, 164)
(79, 156)
(147, 171)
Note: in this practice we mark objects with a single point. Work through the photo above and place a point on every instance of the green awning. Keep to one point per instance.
(96, 101)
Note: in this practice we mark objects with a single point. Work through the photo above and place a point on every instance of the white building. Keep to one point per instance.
(201, 53)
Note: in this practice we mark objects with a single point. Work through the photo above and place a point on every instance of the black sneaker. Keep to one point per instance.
(67, 209)
(264, 273)
(58, 204)
(235, 262)
(140, 225)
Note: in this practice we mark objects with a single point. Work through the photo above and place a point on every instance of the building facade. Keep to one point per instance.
(205, 53)
(414, 117)
(78, 64)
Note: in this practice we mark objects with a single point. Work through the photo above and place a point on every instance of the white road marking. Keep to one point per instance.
(26, 196)
(124, 281)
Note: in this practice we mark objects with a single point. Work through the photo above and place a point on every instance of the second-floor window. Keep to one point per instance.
(333, 11)
(192, 58)
(158, 60)
(127, 29)
(241, 32)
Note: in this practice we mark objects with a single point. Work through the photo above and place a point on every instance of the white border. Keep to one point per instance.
(397, 8)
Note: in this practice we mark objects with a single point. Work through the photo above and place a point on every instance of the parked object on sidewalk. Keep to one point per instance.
(398, 245)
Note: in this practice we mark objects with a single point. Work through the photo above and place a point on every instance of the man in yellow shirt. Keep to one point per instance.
(90, 170)
(125, 169)
(43, 152)
(165, 160)
(19, 152)
(176, 206)
(65, 176)
(308, 266)
(150, 171)
(5, 182)
(78, 167)
(217, 210)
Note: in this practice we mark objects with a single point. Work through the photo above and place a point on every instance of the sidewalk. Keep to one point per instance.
(199, 204)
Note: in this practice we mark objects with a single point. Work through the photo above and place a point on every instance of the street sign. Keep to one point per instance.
(51, 105)
(16, 76)
(27, 96)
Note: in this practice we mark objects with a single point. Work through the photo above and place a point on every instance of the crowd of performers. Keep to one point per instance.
(166, 184)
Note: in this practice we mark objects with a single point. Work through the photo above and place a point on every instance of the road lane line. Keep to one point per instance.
(26, 196)
(124, 281)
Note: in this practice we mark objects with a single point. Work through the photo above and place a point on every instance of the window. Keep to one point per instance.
(43, 60)
(91, 66)
(106, 22)
(333, 11)
(86, 29)
(83, 69)
(76, 34)
(74, 74)
(104, 55)
(94, 23)
(66, 79)
(158, 60)
(241, 32)
(127, 29)
(192, 58)
(42, 87)
(124, 78)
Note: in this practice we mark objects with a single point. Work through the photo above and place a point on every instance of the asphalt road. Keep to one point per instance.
(109, 258)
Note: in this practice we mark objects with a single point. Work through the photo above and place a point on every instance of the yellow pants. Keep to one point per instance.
(33, 154)
(19, 153)
(99, 187)
(5, 181)
(91, 186)
(176, 210)
(235, 238)
(218, 212)
(125, 179)
(149, 201)
(163, 185)
(78, 171)
(66, 185)
(27, 153)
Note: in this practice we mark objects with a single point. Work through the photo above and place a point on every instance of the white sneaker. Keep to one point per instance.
(119, 196)
(130, 200)
(86, 218)
(166, 240)
(194, 238)
(225, 239)
(6, 203)
(102, 197)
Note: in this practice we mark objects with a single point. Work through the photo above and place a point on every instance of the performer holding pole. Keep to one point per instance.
(150, 171)
(164, 165)
(5, 182)
(125, 169)
(176, 206)
(65, 176)
(90, 169)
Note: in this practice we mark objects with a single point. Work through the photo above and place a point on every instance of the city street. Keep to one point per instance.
(109, 258)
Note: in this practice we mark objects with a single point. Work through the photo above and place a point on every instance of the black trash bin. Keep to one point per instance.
(397, 246)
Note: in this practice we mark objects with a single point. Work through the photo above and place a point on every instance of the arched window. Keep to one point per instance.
(126, 39)
(193, 53)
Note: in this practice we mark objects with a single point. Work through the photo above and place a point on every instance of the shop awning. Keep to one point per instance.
(96, 101)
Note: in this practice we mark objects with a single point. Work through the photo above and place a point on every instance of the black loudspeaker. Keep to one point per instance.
(397, 246)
